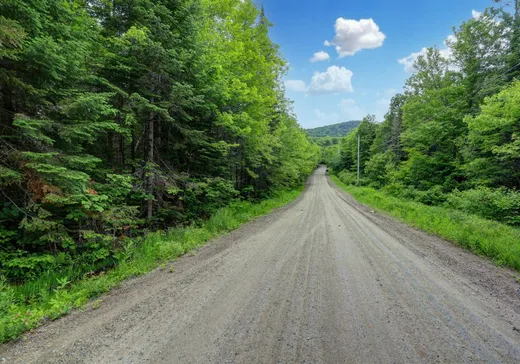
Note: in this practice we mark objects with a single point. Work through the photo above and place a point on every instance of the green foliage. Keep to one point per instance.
(327, 141)
(9, 176)
(57, 291)
(498, 204)
(121, 118)
(494, 140)
(348, 158)
(453, 135)
(19, 266)
(379, 168)
(334, 130)
(498, 241)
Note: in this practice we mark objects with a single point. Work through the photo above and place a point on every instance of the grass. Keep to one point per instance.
(498, 241)
(27, 306)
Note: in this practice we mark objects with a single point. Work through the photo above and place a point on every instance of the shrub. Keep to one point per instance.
(500, 204)
(347, 177)
(490, 238)
(378, 168)
(433, 196)
(350, 178)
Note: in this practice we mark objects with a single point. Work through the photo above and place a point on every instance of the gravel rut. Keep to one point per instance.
(322, 280)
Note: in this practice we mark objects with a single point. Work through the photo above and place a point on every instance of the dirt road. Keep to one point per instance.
(322, 280)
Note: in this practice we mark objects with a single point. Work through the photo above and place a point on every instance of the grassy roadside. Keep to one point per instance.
(484, 237)
(49, 297)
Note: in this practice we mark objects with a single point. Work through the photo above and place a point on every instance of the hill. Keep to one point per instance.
(335, 130)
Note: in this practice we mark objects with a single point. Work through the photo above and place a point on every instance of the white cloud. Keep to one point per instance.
(409, 61)
(450, 39)
(445, 52)
(355, 35)
(475, 14)
(334, 80)
(320, 56)
(295, 85)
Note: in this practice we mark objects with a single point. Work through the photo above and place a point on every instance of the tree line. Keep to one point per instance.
(128, 115)
(453, 136)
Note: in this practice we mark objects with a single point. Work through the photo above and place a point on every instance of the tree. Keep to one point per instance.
(349, 145)
(116, 112)
(432, 125)
(480, 51)
(494, 143)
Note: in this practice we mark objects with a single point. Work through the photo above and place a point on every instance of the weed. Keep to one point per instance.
(53, 294)
(484, 237)
(96, 304)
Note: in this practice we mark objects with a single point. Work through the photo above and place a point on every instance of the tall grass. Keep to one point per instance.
(23, 307)
(484, 237)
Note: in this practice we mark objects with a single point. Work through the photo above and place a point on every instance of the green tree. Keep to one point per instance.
(494, 142)
(433, 127)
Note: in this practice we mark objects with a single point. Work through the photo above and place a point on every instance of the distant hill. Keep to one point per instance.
(335, 130)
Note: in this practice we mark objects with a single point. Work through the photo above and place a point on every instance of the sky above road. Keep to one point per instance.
(348, 58)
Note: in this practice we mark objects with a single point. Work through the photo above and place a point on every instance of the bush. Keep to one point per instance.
(490, 238)
(19, 266)
(433, 196)
(347, 177)
(500, 204)
(55, 292)
(350, 178)
(379, 167)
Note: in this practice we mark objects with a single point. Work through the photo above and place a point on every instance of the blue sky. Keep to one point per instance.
(348, 87)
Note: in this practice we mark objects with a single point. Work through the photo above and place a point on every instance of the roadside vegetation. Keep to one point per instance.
(121, 118)
(446, 157)
(55, 293)
(484, 237)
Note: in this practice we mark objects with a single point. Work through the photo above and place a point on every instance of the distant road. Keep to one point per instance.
(322, 280)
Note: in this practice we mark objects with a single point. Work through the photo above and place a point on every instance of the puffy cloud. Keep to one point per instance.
(295, 85)
(355, 35)
(409, 61)
(445, 52)
(320, 56)
(475, 14)
(334, 80)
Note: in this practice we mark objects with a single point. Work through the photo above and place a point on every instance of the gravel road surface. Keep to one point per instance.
(322, 280)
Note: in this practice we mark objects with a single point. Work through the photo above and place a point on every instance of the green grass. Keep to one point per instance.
(498, 241)
(26, 306)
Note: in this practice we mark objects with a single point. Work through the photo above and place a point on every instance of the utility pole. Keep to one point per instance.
(358, 153)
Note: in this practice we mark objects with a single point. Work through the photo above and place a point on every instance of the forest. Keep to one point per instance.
(452, 138)
(123, 117)
(334, 130)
